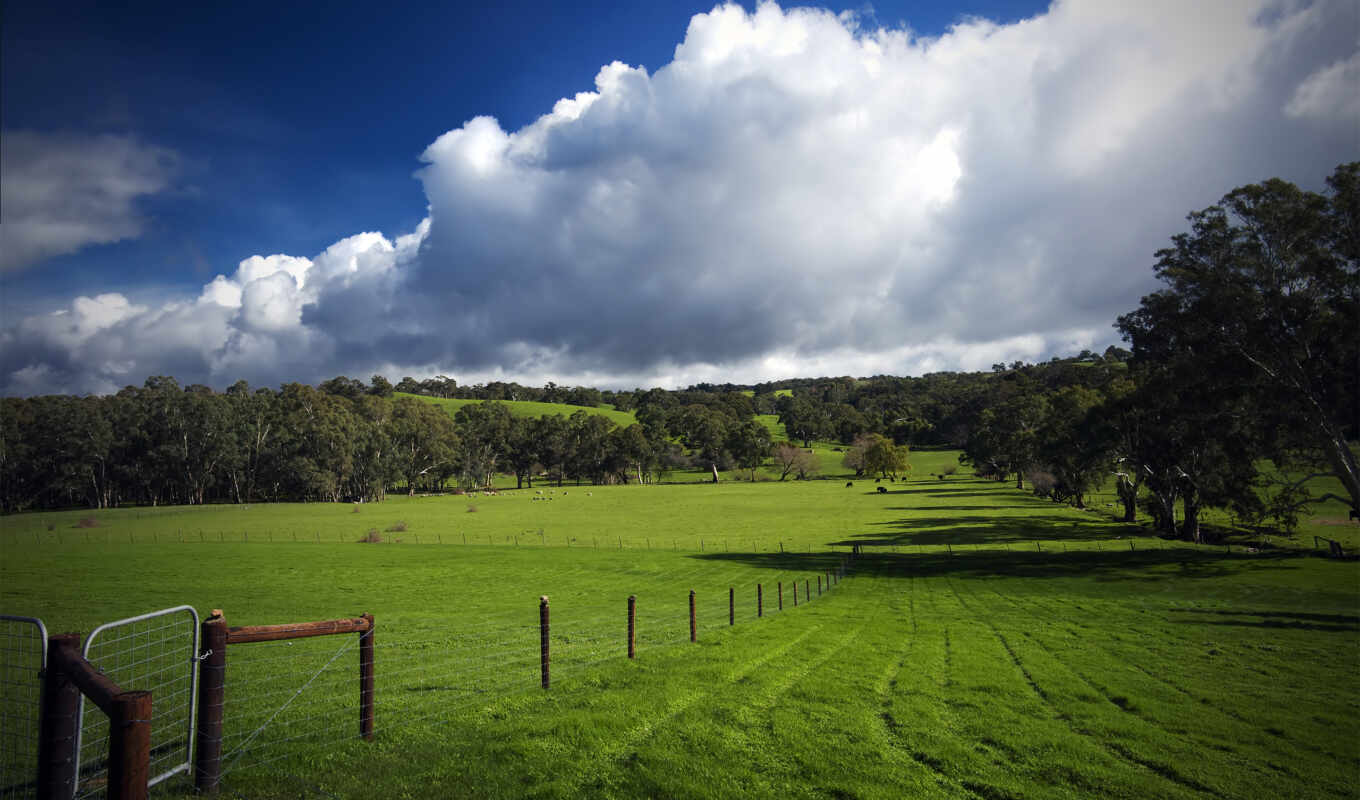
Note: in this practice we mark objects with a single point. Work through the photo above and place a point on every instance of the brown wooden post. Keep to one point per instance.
(212, 684)
(731, 605)
(366, 679)
(693, 628)
(781, 595)
(760, 601)
(57, 722)
(819, 585)
(807, 589)
(543, 638)
(795, 594)
(632, 626)
(130, 746)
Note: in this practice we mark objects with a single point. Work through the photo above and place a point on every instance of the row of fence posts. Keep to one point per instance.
(828, 578)
(69, 676)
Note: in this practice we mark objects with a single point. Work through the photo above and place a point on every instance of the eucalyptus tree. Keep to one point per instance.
(1264, 293)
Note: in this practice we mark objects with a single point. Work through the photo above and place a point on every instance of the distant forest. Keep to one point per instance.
(1241, 390)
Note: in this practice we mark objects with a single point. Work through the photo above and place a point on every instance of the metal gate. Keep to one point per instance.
(23, 658)
(156, 652)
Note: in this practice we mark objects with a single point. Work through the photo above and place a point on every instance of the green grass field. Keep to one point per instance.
(988, 644)
(528, 408)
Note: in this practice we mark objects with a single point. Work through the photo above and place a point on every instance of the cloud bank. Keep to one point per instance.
(793, 194)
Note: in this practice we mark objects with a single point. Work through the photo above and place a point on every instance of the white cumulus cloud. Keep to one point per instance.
(794, 193)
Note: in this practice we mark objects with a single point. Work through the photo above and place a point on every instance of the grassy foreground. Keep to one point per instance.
(990, 644)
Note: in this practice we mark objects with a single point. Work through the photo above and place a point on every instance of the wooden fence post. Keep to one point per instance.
(366, 679)
(57, 723)
(795, 594)
(760, 601)
(807, 589)
(130, 746)
(693, 628)
(731, 605)
(632, 626)
(781, 595)
(212, 683)
(543, 637)
(819, 585)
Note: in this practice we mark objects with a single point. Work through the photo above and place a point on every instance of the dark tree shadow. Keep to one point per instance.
(1108, 565)
(1327, 623)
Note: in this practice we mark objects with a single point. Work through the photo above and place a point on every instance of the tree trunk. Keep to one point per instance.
(1190, 528)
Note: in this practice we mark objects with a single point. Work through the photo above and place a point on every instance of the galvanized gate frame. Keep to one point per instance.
(42, 660)
(191, 666)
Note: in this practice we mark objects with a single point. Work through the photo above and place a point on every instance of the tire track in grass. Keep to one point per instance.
(1109, 697)
(754, 716)
(610, 756)
(896, 735)
(1165, 771)
(1199, 700)
(1276, 754)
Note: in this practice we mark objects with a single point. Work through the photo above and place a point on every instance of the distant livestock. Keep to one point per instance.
(882, 490)
(848, 484)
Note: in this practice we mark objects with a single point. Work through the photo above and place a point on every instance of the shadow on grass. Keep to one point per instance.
(990, 529)
(1109, 565)
(1334, 623)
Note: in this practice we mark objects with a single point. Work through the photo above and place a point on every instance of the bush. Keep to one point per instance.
(87, 522)
(372, 537)
(397, 528)
(472, 510)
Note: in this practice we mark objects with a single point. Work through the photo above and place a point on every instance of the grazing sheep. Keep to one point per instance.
(882, 490)
(878, 480)
(848, 484)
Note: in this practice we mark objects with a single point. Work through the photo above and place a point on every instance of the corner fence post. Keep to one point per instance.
(543, 638)
(130, 746)
(731, 605)
(693, 628)
(632, 626)
(57, 723)
(212, 683)
(366, 679)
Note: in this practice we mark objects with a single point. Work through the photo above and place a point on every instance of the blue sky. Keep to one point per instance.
(225, 132)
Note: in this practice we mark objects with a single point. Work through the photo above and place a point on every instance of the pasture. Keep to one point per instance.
(988, 644)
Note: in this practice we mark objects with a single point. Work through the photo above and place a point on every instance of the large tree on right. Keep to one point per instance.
(1264, 293)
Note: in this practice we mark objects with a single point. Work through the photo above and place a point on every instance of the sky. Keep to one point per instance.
(624, 195)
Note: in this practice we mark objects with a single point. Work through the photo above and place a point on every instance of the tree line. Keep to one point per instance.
(1239, 390)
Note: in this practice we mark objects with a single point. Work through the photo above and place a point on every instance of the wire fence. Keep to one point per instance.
(154, 652)
(23, 657)
(296, 698)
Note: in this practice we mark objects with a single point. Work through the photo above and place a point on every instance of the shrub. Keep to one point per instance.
(397, 528)
(472, 510)
(372, 537)
(87, 522)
